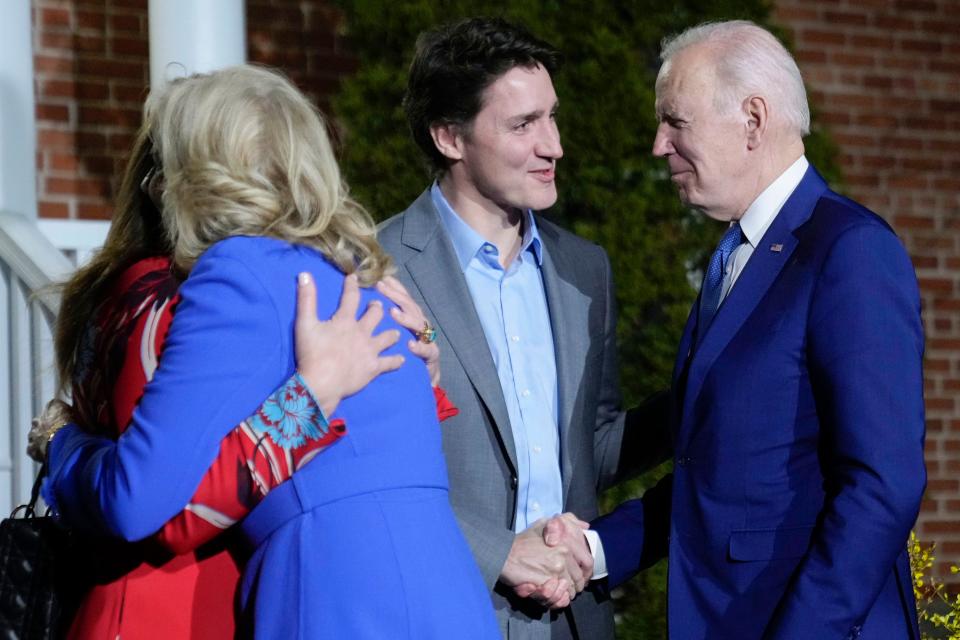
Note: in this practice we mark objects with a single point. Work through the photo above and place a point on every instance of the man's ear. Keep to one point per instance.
(757, 119)
(448, 140)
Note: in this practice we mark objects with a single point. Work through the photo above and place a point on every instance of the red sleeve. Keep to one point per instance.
(445, 408)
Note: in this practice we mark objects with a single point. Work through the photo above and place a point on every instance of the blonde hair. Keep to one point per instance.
(245, 153)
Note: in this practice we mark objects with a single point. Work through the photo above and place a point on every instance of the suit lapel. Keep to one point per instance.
(757, 277)
(681, 369)
(685, 350)
(568, 309)
(437, 274)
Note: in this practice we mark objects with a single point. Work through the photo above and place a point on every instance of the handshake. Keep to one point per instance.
(550, 561)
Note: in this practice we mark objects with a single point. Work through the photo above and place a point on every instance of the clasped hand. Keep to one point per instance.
(550, 561)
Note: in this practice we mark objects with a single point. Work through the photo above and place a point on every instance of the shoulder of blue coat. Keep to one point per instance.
(853, 238)
(835, 217)
(271, 266)
(268, 256)
(842, 212)
(246, 248)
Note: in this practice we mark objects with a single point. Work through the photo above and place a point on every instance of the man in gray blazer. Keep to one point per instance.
(525, 319)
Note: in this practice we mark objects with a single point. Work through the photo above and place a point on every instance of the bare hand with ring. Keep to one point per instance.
(408, 314)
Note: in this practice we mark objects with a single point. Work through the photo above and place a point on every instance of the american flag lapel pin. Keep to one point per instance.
(776, 248)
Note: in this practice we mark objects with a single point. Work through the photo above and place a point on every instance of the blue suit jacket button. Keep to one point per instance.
(854, 632)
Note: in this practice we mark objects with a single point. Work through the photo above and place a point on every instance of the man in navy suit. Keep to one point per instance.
(798, 419)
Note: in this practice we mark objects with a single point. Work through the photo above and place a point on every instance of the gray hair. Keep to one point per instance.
(750, 60)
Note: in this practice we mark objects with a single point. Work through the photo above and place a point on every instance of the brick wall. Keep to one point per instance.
(92, 74)
(300, 37)
(884, 77)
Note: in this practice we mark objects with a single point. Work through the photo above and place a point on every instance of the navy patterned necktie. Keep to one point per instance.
(713, 278)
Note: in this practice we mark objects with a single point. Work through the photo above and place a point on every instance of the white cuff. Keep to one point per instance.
(596, 550)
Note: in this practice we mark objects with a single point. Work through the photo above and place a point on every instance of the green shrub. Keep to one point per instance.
(937, 608)
(611, 189)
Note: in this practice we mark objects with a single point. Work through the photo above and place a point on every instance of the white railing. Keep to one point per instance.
(29, 264)
(77, 239)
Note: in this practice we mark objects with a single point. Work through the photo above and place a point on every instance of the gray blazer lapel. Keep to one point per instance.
(436, 272)
(569, 309)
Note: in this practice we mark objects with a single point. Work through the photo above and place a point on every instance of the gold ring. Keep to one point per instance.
(426, 335)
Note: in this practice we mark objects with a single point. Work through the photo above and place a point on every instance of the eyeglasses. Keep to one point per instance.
(152, 185)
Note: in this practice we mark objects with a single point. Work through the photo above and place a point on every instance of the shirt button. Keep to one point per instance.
(525, 393)
(488, 248)
(515, 338)
(537, 449)
(535, 506)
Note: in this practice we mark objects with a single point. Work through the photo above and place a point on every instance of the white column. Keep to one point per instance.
(193, 36)
(18, 131)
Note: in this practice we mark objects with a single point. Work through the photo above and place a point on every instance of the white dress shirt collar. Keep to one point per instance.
(757, 219)
(760, 214)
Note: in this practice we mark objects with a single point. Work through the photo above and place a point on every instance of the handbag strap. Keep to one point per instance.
(35, 492)
(30, 509)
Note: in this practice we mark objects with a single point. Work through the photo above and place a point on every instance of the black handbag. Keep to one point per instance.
(39, 585)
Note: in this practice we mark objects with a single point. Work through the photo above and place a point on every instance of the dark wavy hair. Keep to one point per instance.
(136, 232)
(452, 67)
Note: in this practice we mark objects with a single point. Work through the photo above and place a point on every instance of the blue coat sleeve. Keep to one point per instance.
(226, 351)
(635, 534)
(865, 352)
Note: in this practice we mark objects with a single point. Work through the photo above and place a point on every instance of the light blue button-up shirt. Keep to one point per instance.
(512, 307)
